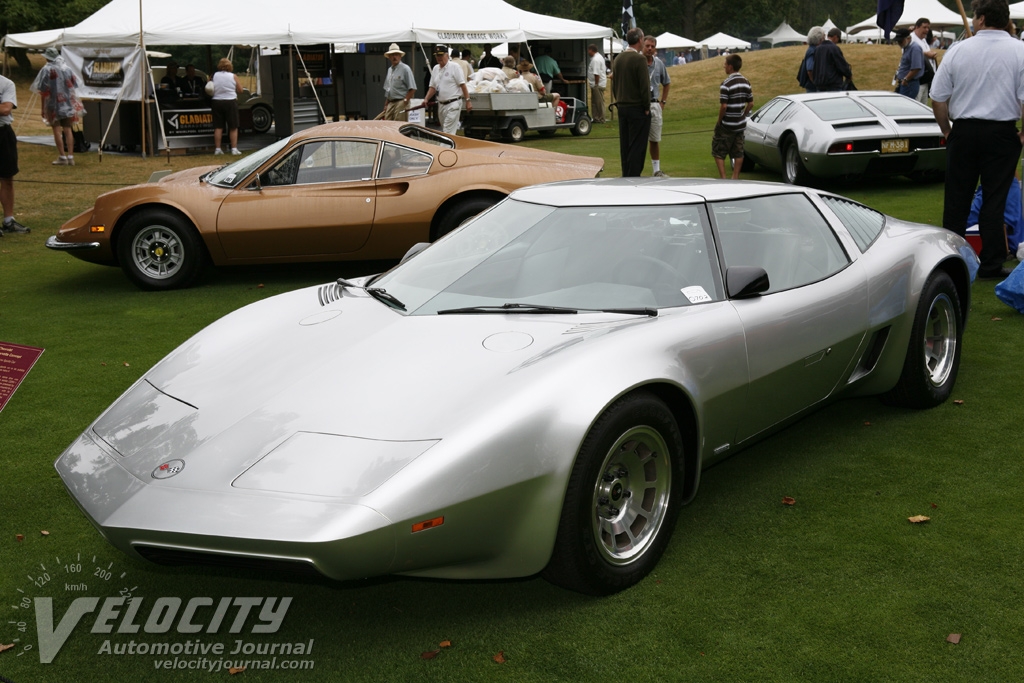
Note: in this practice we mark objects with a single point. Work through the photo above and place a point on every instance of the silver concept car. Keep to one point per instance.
(537, 391)
(845, 134)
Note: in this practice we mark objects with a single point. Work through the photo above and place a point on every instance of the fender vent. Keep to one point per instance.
(872, 353)
(173, 557)
(328, 294)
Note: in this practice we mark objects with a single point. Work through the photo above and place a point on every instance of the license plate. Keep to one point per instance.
(893, 146)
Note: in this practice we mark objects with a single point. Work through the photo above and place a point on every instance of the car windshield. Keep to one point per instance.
(234, 173)
(838, 108)
(428, 136)
(577, 258)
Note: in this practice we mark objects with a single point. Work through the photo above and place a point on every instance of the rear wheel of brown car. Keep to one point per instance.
(460, 212)
(622, 499)
(160, 250)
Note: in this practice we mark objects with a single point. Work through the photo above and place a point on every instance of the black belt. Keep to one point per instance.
(400, 99)
(449, 101)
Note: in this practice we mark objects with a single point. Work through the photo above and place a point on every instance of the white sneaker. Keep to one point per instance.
(235, 152)
(659, 174)
(218, 151)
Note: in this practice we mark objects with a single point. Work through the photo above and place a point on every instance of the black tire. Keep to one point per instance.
(582, 126)
(933, 355)
(262, 118)
(458, 213)
(630, 467)
(748, 165)
(793, 171)
(515, 131)
(159, 249)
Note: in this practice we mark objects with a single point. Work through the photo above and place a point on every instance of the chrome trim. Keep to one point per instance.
(57, 245)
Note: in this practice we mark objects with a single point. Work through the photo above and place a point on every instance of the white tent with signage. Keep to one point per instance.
(306, 22)
(783, 34)
(933, 10)
(721, 41)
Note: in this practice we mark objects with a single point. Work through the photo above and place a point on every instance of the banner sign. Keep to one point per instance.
(15, 362)
(103, 72)
(317, 60)
(182, 123)
(493, 37)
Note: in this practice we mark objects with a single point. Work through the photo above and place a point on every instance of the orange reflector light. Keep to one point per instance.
(98, 228)
(429, 524)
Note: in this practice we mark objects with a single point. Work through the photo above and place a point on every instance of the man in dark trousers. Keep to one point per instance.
(830, 67)
(976, 99)
(631, 85)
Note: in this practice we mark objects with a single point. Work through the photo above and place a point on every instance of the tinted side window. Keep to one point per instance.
(863, 223)
(784, 234)
(401, 162)
(324, 161)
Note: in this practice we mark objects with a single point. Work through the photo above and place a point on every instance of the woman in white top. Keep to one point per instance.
(226, 88)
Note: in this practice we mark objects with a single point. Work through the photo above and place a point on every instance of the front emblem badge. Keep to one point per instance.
(168, 469)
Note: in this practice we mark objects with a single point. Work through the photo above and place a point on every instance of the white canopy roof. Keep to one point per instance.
(670, 41)
(876, 35)
(305, 22)
(829, 25)
(933, 10)
(721, 41)
(1017, 11)
(784, 34)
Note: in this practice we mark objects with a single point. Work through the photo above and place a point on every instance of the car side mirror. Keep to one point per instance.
(256, 185)
(413, 250)
(743, 282)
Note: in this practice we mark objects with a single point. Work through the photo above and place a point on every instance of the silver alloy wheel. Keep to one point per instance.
(792, 163)
(940, 340)
(157, 252)
(631, 495)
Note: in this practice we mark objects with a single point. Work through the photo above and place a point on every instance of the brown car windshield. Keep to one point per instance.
(232, 174)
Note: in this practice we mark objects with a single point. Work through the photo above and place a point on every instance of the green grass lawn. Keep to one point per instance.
(838, 587)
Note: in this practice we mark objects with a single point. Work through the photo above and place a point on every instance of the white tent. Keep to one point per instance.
(784, 33)
(876, 36)
(1017, 11)
(721, 41)
(670, 41)
(306, 22)
(829, 25)
(933, 10)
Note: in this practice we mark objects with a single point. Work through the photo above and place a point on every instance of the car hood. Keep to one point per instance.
(577, 166)
(352, 368)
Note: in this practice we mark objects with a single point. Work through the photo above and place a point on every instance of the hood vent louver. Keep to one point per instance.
(328, 294)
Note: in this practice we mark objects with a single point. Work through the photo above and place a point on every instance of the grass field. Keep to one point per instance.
(838, 587)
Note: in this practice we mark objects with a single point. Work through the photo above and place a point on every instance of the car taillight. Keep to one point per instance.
(840, 147)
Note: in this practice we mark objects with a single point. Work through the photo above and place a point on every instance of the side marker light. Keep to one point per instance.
(428, 524)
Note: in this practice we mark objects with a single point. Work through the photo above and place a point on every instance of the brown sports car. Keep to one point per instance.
(341, 191)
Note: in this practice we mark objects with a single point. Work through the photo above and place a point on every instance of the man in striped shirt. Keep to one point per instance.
(737, 100)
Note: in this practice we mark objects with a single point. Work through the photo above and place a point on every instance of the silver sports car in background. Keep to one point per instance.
(536, 392)
(845, 135)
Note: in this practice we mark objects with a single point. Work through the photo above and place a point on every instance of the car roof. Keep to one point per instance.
(647, 191)
(385, 130)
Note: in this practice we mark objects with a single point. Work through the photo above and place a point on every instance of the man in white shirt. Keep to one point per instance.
(919, 37)
(448, 82)
(8, 156)
(979, 86)
(597, 79)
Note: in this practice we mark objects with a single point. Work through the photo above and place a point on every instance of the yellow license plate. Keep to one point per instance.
(893, 146)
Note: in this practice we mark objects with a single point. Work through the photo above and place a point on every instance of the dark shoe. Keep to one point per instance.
(15, 226)
(1000, 274)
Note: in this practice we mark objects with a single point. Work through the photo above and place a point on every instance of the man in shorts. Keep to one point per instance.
(8, 156)
(737, 100)
(660, 83)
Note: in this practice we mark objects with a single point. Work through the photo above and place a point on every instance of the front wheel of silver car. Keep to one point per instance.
(622, 499)
(933, 357)
(158, 249)
(793, 171)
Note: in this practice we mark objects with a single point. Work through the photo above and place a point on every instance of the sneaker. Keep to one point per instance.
(14, 226)
(61, 161)
(235, 152)
(218, 152)
(660, 174)
(71, 161)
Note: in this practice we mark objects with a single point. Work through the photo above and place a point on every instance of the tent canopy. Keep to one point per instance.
(670, 41)
(306, 22)
(783, 34)
(829, 25)
(933, 10)
(721, 41)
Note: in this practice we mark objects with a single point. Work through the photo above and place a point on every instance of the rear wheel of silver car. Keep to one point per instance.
(262, 118)
(622, 499)
(158, 249)
(793, 171)
(933, 357)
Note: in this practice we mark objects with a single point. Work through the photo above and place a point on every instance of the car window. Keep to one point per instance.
(838, 108)
(234, 173)
(784, 234)
(402, 162)
(897, 105)
(428, 136)
(767, 114)
(323, 161)
(863, 223)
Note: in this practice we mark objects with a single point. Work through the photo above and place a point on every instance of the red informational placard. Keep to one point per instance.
(15, 362)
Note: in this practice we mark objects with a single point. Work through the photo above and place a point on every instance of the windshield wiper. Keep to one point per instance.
(381, 294)
(650, 312)
(509, 308)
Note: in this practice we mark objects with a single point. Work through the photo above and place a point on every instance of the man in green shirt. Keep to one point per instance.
(631, 85)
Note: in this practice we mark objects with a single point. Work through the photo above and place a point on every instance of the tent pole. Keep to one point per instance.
(142, 80)
(963, 15)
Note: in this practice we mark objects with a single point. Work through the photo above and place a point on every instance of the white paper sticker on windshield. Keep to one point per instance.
(695, 294)
(230, 179)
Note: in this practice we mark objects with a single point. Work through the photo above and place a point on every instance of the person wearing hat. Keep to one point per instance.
(911, 64)
(399, 86)
(56, 84)
(448, 83)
